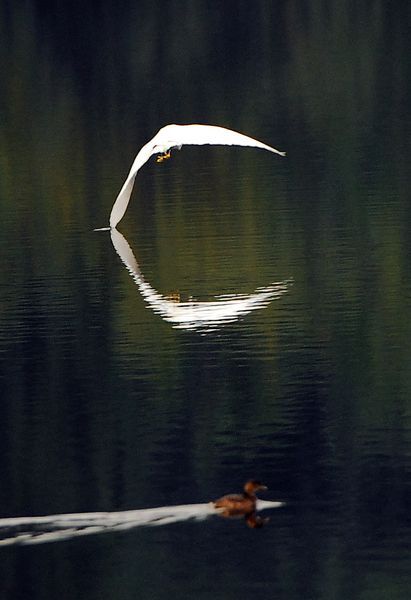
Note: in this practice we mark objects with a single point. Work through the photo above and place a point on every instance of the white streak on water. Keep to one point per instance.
(60, 527)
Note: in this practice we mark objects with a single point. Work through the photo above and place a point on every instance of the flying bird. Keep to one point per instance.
(175, 136)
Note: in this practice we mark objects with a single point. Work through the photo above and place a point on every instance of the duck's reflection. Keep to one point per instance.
(54, 528)
(252, 520)
(192, 314)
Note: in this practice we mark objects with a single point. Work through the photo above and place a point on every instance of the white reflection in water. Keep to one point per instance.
(53, 528)
(194, 314)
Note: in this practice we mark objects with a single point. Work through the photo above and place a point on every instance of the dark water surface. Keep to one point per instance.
(252, 319)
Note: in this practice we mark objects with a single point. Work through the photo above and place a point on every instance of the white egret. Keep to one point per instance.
(175, 136)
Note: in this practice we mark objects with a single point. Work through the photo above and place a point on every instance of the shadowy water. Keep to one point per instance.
(107, 403)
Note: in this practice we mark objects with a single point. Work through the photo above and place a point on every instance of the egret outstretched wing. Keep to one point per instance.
(172, 136)
(198, 135)
(122, 200)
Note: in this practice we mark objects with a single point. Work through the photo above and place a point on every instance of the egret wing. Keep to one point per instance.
(122, 200)
(180, 135)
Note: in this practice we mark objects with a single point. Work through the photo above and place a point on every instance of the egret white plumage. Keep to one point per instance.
(175, 136)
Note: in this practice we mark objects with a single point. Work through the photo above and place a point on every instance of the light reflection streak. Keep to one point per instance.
(54, 528)
(193, 314)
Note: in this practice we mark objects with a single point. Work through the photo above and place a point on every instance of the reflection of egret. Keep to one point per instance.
(196, 315)
(54, 528)
(175, 136)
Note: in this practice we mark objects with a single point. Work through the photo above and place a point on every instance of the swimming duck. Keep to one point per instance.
(240, 504)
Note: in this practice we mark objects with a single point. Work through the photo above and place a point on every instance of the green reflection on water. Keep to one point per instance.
(105, 405)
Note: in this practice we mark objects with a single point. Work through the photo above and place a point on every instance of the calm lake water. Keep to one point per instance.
(250, 319)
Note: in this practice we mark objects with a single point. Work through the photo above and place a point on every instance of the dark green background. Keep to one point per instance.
(103, 405)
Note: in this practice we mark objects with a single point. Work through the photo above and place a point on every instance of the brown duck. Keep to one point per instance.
(240, 504)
